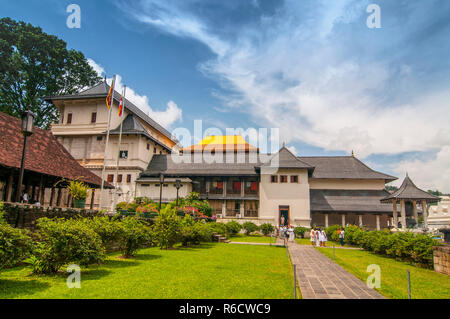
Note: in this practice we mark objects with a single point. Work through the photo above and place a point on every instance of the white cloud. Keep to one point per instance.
(97, 67)
(432, 174)
(166, 118)
(303, 70)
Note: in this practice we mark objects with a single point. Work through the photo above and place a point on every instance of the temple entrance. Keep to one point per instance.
(284, 215)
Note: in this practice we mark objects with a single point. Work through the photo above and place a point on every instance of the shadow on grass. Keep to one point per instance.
(196, 247)
(15, 288)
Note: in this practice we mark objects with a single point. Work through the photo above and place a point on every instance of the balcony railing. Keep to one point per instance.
(250, 213)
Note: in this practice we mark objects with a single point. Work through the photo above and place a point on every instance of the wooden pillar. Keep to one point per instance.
(416, 216)
(69, 200)
(425, 213)
(395, 214)
(41, 191)
(224, 208)
(403, 209)
(242, 208)
(9, 187)
(52, 197)
(58, 199)
(326, 220)
(33, 194)
(92, 198)
(378, 222)
(343, 220)
(360, 219)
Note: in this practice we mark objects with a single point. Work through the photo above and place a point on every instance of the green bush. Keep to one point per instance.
(15, 245)
(167, 228)
(249, 227)
(331, 232)
(267, 229)
(133, 234)
(353, 235)
(219, 228)
(300, 231)
(195, 232)
(233, 228)
(63, 242)
(110, 231)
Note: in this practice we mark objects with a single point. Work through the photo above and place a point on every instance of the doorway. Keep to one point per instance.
(284, 215)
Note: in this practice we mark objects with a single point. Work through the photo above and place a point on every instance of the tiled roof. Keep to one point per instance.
(192, 167)
(343, 167)
(132, 126)
(44, 154)
(101, 90)
(286, 159)
(223, 143)
(349, 201)
(411, 192)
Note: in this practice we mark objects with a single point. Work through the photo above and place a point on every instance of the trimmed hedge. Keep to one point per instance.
(15, 245)
(406, 246)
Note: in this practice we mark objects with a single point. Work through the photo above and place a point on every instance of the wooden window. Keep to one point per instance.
(99, 138)
(94, 117)
(110, 178)
(294, 179)
(160, 152)
(69, 118)
(274, 179)
(283, 179)
(154, 150)
(119, 178)
(148, 146)
(129, 178)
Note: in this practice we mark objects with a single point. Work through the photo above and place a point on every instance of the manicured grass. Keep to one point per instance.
(425, 283)
(207, 271)
(252, 239)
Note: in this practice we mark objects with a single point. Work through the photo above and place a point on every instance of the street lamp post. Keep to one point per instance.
(161, 181)
(178, 186)
(27, 130)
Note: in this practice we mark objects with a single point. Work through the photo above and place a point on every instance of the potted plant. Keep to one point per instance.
(79, 191)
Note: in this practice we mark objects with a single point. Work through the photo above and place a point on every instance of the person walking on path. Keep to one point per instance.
(291, 234)
(341, 237)
(312, 236)
(324, 238)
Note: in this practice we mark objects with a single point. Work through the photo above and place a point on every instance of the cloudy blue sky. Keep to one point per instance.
(312, 68)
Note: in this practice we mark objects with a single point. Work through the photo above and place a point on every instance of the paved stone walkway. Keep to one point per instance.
(321, 278)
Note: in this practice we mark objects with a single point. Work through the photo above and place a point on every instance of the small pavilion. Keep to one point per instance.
(409, 192)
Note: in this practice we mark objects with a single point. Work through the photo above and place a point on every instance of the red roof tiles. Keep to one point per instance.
(44, 154)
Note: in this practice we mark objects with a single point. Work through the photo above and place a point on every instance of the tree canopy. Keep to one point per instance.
(34, 65)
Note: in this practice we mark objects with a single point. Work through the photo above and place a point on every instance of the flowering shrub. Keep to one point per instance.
(147, 208)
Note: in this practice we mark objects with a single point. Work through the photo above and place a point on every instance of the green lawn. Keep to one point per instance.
(208, 271)
(425, 283)
(252, 239)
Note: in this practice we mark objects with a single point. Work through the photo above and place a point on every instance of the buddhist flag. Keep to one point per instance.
(110, 95)
(121, 106)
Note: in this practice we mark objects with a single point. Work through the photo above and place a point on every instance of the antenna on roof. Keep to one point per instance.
(284, 144)
(353, 153)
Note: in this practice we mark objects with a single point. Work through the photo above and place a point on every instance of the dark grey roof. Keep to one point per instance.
(349, 201)
(285, 159)
(343, 167)
(132, 126)
(411, 192)
(166, 165)
(101, 90)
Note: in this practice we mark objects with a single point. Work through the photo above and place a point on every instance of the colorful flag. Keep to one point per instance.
(121, 106)
(110, 95)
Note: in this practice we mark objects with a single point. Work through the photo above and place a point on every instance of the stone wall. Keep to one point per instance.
(26, 215)
(441, 259)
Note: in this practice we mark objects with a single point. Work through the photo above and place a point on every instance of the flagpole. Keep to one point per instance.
(107, 142)
(118, 151)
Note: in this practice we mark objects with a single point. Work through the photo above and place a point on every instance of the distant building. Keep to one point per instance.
(302, 191)
(439, 216)
(82, 130)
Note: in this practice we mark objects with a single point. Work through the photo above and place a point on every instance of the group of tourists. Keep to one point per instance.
(287, 232)
(318, 237)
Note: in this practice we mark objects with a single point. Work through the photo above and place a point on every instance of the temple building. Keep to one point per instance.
(48, 167)
(280, 188)
(82, 127)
